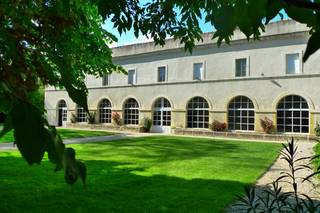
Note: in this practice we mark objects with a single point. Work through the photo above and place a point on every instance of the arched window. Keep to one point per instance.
(293, 114)
(105, 111)
(62, 112)
(198, 113)
(162, 112)
(131, 112)
(241, 114)
(81, 114)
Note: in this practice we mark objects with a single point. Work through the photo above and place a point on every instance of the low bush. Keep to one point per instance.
(218, 126)
(267, 125)
(317, 129)
(116, 118)
(273, 198)
(147, 123)
(91, 117)
(73, 118)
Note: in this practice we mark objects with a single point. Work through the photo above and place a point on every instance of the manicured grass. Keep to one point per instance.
(65, 133)
(150, 174)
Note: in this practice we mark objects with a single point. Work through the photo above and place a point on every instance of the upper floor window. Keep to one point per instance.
(105, 80)
(161, 74)
(241, 67)
(132, 76)
(198, 71)
(292, 63)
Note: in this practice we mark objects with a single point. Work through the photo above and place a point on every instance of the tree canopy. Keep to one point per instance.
(57, 43)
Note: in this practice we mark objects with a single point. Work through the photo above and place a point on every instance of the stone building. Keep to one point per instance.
(238, 84)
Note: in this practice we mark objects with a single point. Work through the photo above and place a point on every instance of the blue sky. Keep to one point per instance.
(129, 38)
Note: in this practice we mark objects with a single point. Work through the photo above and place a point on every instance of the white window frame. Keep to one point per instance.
(247, 67)
(104, 111)
(300, 62)
(203, 74)
(166, 74)
(129, 112)
(292, 117)
(243, 114)
(162, 114)
(198, 120)
(64, 110)
(135, 76)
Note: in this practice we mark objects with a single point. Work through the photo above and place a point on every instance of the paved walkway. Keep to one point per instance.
(10, 146)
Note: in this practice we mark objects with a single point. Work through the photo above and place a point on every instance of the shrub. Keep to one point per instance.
(116, 118)
(91, 117)
(218, 126)
(73, 118)
(267, 125)
(274, 199)
(317, 129)
(147, 123)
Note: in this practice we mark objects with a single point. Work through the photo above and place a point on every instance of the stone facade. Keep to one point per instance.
(266, 81)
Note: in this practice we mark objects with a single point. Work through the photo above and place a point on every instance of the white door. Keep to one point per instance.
(62, 113)
(161, 116)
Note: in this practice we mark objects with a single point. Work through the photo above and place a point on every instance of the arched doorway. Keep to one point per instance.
(105, 111)
(62, 113)
(131, 112)
(161, 116)
(198, 113)
(241, 114)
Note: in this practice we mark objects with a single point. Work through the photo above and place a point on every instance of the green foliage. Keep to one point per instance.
(274, 199)
(92, 117)
(116, 118)
(146, 124)
(267, 125)
(73, 168)
(27, 122)
(218, 126)
(73, 118)
(180, 19)
(57, 43)
(317, 129)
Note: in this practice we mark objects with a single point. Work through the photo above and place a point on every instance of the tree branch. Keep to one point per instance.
(303, 4)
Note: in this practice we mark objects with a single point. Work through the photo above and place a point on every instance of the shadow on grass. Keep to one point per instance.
(311, 205)
(110, 189)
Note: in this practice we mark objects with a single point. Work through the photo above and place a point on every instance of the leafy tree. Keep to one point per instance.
(57, 43)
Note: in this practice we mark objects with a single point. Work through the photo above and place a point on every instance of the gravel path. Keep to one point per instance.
(94, 139)
(305, 149)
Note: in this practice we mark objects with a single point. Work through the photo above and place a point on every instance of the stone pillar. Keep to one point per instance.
(218, 115)
(178, 118)
(314, 120)
(261, 115)
(144, 113)
(120, 112)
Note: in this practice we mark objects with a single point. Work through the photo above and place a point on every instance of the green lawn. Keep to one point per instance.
(65, 133)
(150, 174)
